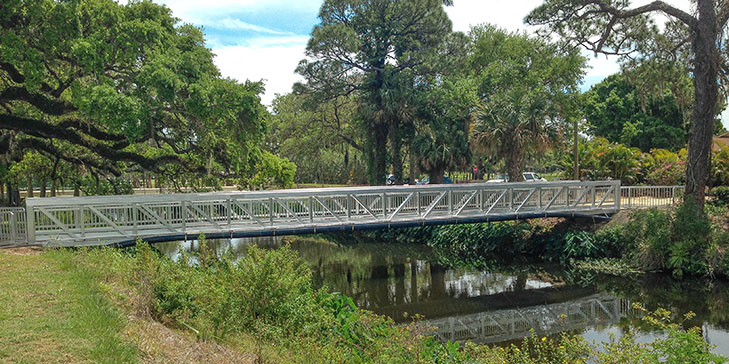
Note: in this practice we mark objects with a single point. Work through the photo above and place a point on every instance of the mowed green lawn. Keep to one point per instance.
(52, 311)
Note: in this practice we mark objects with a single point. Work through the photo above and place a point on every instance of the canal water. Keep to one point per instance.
(497, 306)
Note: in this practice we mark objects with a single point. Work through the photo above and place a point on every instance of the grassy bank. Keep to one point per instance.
(106, 306)
(53, 312)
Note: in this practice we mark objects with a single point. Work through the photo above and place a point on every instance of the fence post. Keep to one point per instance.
(30, 221)
(349, 207)
(450, 202)
(135, 219)
(617, 196)
(229, 209)
(13, 227)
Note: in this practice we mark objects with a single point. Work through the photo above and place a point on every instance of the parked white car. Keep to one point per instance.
(528, 177)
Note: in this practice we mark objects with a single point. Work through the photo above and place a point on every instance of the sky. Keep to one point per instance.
(266, 39)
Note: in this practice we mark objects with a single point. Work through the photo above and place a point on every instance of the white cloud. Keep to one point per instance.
(200, 12)
(506, 14)
(237, 24)
(275, 65)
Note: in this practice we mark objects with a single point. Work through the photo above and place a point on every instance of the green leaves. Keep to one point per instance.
(144, 88)
(526, 89)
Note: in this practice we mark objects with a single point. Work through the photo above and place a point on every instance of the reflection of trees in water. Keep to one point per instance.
(708, 299)
(376, 275)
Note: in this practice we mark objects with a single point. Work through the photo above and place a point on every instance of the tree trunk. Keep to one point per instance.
(44, 186)
(378, 156)
(514, 165)
(54, 172)
(29, 189)
(413, 165)
(706, 73)
(395, 153)
(2, 192)
(436, 176)
(13, 195)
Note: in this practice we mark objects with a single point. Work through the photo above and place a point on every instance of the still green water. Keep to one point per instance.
(498, 305)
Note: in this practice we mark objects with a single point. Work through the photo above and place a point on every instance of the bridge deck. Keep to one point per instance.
(78, 221)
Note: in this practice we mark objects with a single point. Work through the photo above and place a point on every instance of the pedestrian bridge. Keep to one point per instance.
(122, 220)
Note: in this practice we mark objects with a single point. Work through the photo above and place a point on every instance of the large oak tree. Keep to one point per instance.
(121, 87)
(694, 40)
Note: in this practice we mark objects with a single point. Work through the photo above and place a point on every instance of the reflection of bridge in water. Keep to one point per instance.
(510, 324)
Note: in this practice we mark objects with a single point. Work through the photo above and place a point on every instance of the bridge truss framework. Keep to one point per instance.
(103, 220)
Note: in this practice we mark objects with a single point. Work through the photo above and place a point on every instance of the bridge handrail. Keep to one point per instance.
(109, 219)
(302, 192)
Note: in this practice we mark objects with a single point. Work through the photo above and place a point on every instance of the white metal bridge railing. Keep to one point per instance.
(636, 197)
(77, 221)
(113, 219)
(12, 226)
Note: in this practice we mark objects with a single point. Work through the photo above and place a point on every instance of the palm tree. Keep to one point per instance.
(526, 88)
(511, 130)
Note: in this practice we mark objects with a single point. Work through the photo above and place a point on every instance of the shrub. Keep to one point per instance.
(268, 292)
(475, 242)
(614, 241)
(720, 196)
(690, 241)
(581, 245)
(648, 235)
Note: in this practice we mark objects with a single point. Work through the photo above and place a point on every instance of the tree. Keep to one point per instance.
(121, 87)
(615, 110)
(692, 41)
(361, 47)
(320, 136)
(525, 86)
(440, 141)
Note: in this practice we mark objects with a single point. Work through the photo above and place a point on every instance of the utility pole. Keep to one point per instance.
(576, 153)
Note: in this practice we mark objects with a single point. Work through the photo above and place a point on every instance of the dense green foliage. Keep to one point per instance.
(103, 89)
(615, 110)
(525, 85)
(687, 47)
(601, 159)
(320, 137)
(376, 48)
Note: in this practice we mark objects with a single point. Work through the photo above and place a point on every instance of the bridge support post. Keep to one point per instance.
(384, 205)
(418, 202)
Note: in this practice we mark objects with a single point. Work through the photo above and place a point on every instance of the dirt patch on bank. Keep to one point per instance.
(160, 344)
(22, 250)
